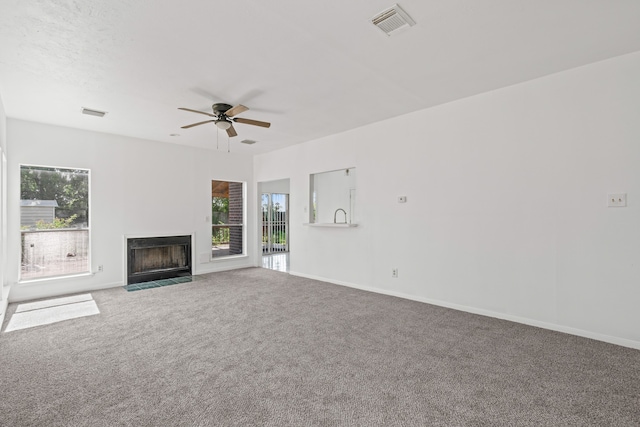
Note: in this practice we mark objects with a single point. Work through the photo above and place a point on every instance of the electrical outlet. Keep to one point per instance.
(100, 269)
(617, 200)
(394, 273)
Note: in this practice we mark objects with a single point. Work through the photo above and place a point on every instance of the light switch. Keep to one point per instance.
(617, 200)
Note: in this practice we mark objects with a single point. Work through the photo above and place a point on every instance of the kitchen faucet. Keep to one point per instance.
(336, 213)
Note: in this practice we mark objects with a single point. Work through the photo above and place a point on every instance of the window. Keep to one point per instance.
(54, 222)
(227, 218)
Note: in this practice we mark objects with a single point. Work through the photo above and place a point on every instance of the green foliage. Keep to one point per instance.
(220, 204)
(220, 216)
(220, 235)
(279, 237)
(219, 210)
(68, 187)
(57, 223)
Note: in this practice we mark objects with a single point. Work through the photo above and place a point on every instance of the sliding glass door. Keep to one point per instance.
(275, 223)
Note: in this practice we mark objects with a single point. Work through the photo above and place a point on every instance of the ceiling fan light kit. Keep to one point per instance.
(223, 116)
(223, 124)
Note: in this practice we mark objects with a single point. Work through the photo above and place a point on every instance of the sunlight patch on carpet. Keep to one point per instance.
(53, 302)
(51, 311)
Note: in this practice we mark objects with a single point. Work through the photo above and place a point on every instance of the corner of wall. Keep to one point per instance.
(4, 290)
(4, 303)
(3, 127)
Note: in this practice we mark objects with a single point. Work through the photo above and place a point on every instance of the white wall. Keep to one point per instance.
(3, 127)
(506, 212)
(138, 187)
(280, 186)
(4, 288)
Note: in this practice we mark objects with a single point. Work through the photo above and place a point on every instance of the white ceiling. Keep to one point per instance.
(312, 68)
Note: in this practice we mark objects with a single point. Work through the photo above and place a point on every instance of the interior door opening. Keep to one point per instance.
(275, 223)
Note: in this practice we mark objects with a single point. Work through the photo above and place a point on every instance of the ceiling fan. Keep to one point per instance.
(223, 117)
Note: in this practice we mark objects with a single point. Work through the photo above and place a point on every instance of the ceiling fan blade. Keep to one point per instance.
(196, 111)
(236, 110)
(231, 132)
(252, 122)
(197, 124)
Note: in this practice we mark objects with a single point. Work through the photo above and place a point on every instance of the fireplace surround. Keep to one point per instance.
(156, 258)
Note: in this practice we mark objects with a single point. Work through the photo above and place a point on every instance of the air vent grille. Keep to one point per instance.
(392, 20)
(90, 112)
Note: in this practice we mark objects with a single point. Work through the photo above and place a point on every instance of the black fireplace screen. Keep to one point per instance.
(156, 258)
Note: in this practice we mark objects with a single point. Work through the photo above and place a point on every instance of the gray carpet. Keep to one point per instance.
(259, 347)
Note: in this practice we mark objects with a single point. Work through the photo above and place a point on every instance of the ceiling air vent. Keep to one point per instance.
(248, 141)
(91, 112)
(393, 20)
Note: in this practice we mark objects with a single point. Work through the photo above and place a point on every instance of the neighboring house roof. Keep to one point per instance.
(47, 203)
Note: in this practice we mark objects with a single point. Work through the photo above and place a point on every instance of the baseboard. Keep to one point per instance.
(483, 312)
(68, 291)
(4, 302)
(219, 269)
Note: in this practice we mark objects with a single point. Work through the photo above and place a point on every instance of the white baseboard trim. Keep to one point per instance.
(483, 312)
(67, 291)
(218, 269)
(4, 302)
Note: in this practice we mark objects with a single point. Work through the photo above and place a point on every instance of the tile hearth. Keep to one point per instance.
(157, 283)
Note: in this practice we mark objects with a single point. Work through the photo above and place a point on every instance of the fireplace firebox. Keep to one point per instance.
(156, 258)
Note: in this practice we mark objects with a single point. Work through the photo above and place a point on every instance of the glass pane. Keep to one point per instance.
(275, 223)
(227, 214)
(54, 221)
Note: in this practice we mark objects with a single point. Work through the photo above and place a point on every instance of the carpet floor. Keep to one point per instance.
(259, 347)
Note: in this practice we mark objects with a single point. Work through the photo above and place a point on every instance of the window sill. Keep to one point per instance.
(330, 224)
(54, 278)
(227, 257)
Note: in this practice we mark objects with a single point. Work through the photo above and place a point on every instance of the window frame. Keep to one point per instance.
(243, 224)
(89, 228)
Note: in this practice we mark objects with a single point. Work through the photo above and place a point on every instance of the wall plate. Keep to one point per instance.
(617, 200)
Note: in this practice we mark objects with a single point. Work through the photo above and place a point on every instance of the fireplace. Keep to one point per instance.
(156, 258)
